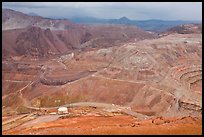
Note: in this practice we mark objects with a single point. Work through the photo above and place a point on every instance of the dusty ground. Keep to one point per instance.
(120, 124)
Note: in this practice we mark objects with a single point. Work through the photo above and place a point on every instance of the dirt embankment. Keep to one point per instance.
(93, 125)
(55, 81)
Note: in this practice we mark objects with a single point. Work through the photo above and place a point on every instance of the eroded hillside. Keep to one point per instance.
(150, 76)
(101, 73)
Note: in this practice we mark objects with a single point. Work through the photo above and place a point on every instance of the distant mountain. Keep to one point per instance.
(160, 25)
(124, 19)
(88, 20)
(148, 25)
(13, 19)
(36, 36)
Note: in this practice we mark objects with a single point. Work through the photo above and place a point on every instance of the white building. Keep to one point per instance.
(62, 110)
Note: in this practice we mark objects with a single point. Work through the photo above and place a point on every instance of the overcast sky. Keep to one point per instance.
(131, 10)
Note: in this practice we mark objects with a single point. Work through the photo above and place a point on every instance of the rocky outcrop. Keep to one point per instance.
(190, 106)
(186, 29)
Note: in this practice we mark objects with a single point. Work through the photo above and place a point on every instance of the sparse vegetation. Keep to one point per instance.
(55, 100)
(22, 110)
(12, 100)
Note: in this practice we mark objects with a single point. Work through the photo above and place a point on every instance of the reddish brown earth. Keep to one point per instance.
(92, 125)
(41, 37)
(186, 29)
(119, 66)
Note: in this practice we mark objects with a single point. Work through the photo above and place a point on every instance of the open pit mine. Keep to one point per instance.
(59, 77)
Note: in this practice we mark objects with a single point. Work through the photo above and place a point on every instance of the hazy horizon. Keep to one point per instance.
(112, 10)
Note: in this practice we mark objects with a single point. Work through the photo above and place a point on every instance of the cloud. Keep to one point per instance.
(132, 10)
